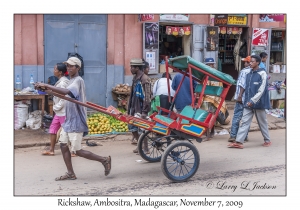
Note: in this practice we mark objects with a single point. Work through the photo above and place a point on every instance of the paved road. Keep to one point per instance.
(222, 171)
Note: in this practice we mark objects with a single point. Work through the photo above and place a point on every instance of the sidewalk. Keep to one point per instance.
(32, 138)
(273, 123)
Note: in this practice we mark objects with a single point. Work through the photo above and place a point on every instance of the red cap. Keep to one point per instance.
(247, 59)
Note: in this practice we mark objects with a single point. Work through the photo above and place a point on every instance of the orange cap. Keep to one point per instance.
(247, 59)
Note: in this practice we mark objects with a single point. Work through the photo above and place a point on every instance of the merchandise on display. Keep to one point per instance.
(18, 84)
(31, 82)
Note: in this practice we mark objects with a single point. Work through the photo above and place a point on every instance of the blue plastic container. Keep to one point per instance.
(41, 92)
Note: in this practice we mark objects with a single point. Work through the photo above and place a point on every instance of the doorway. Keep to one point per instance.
(227, 56)
(82, 34)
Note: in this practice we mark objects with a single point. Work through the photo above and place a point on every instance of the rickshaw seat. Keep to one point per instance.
(209, 90)
(198, 114)
(164, 119)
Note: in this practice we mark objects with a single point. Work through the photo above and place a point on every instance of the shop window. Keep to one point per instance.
(170, 42)
(277, 47)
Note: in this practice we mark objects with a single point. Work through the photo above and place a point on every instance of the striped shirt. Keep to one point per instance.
(241, 82)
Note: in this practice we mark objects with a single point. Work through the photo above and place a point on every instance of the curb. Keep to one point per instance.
(83, 142)
(94, 138)
(31, 145)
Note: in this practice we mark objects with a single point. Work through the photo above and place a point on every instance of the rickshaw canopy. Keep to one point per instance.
(182, 62)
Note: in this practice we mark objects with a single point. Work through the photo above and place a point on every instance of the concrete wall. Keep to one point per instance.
(28, 43)
(115, 39)
(29, 49)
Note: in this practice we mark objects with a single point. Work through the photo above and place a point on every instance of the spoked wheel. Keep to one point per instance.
(151, 146)
(180, 161)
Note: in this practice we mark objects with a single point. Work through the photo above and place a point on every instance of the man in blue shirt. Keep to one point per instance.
(184, 97)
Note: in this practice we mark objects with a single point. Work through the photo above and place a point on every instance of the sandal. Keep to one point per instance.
(47, 152)
(66, 177)
(107, 165)
(235, 145)
(267, 144)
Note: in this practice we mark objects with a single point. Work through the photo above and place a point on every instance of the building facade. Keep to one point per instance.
(108, 42)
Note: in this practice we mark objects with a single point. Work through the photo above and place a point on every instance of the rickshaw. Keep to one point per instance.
(169, 137)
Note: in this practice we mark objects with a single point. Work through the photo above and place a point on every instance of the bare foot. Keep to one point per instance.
(73, 154)
(47, 152)
(206, 139)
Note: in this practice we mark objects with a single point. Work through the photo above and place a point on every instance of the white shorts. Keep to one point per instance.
(75, 139)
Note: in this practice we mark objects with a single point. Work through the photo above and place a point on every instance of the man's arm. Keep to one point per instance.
(240, 96)
(43, 86)
(155, 87)
(147, 101)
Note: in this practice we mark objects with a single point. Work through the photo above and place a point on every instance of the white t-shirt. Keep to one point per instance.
(160, 87)
(59, 103)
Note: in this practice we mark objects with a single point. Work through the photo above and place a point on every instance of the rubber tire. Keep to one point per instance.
(168, 151)
(152, 150)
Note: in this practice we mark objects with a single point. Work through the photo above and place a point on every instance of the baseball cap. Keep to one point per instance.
(209, 60)
(136, 62)
(247, 59)
(73, 61)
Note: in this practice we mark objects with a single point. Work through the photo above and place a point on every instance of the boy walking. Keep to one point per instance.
(75, 126)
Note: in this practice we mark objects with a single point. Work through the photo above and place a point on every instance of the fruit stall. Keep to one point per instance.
(99, 124)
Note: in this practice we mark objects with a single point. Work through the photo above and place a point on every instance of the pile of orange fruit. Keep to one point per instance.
(100, 123)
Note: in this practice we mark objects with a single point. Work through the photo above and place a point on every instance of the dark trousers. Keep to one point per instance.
(164, 103)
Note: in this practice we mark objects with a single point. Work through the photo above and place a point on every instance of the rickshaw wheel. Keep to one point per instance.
(180, 161)
(155, 147)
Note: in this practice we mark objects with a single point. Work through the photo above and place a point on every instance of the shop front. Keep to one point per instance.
(270, 37)
(167, 38)
(171, 36)
(232, 44)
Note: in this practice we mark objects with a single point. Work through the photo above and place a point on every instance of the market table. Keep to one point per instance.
(275, 97)
(33, 96)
